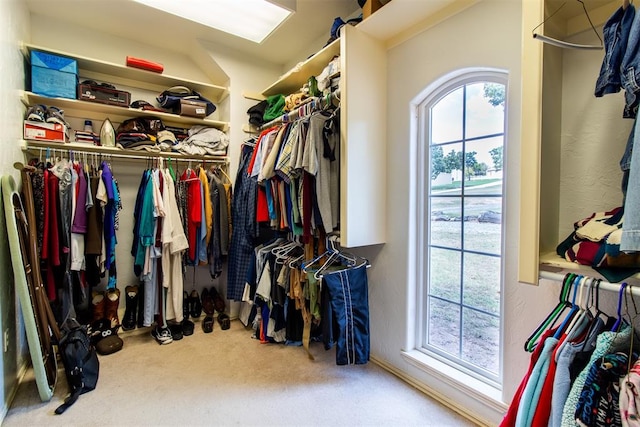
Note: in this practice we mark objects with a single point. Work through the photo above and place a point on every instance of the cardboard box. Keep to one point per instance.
(104, 95)
(42, 131)
(192, 108)
(53, 75)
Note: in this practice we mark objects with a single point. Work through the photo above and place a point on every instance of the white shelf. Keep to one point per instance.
(295, 78)
(34, 146)
(97, 111)
(554, 263)
(123, 75)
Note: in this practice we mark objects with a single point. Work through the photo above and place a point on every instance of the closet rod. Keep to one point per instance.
(293, 115)
(607, 286)
(165, 155)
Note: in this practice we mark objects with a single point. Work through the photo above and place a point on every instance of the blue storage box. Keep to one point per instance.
(53, 75)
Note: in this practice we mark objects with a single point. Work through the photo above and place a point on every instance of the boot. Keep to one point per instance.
(141, 305)
(112, 297)
(98, 302)
(129, 320)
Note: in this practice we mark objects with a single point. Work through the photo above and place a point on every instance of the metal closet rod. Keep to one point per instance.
(173, 156)
(607, 286)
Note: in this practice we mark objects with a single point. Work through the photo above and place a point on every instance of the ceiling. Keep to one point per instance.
(125, 18)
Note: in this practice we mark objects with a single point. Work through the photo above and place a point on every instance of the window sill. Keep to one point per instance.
(487, 394)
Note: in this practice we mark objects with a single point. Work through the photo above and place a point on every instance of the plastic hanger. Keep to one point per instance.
(616, 326)
(586, 283)
(531, 342)
(574, 308)
(562, 43)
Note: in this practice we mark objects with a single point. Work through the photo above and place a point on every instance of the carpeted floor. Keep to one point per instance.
(227, 378)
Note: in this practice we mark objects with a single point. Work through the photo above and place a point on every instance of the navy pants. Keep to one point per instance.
(349, 300)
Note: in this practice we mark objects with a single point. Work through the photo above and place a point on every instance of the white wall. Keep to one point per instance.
(485, 35)
(14, 29)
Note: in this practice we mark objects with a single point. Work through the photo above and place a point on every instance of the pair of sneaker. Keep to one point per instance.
(48, 114)
(162, 334)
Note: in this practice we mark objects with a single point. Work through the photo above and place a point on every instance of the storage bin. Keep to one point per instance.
(53, 75)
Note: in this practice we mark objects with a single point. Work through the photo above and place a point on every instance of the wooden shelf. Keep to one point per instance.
(134, 77)
(97, 111)
(35, 146)
(295, 78)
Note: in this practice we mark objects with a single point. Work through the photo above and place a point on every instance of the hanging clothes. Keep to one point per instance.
(174, 243)
(244, 226)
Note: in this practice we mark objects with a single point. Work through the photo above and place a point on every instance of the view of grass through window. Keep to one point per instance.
(464, 233)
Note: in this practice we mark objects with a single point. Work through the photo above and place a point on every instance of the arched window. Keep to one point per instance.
(461, 146)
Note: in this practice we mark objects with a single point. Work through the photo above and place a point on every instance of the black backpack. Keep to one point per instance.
(80, 361)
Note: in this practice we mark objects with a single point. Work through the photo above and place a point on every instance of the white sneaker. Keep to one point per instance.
(162, 335)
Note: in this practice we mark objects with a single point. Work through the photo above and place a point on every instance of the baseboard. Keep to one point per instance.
(439, 397)
(22, 370)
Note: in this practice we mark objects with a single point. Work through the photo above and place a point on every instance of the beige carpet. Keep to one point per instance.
(227, 378)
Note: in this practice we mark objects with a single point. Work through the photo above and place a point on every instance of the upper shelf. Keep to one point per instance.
(123, 75)
(35, 146)
(299, 75)
(97, 111)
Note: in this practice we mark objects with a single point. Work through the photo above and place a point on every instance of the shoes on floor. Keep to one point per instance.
(224, 321)
(218, 301)
(195, 306)
(176, 331)
(185, 305)
(187, 327)
(162, 335)
(207, 302)
(129, 320)
(207, 324)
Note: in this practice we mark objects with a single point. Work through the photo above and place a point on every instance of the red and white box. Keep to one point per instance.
(41, 131)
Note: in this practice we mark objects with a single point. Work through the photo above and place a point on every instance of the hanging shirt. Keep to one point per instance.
(194, 212)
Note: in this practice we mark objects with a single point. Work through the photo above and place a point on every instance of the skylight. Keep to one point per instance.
(250, 19)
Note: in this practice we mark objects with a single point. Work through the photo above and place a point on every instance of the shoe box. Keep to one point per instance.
(192, 108)
(43, 131)
(53, 75)
(104, 95)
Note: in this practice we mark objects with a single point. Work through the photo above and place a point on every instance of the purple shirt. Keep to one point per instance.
(80, 218)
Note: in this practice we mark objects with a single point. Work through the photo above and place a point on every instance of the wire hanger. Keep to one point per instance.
(562, 43)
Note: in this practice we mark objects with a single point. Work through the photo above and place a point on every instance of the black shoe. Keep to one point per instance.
(131, 298)
(187, 327)
(140, 306)
(186, 305)
(176, 331)
(195, 306)
(207, 324)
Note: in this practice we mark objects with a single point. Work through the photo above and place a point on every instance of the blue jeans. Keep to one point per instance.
(630, 241)
(616, 34)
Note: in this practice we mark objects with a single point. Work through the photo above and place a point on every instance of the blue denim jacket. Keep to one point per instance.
(630, 70)
(616, 35)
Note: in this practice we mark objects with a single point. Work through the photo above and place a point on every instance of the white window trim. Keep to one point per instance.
(416, 269)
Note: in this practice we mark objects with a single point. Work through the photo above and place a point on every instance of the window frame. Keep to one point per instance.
(421, 112)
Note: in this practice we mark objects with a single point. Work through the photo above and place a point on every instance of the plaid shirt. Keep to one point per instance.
(245, 228)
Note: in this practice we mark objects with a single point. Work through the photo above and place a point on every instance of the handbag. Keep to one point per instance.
(170, 99)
